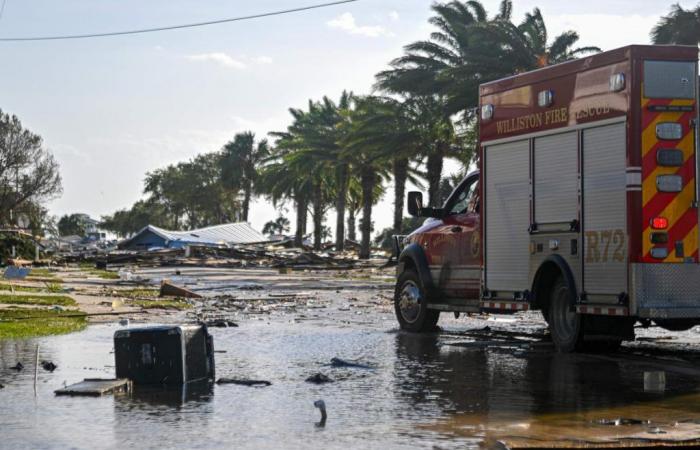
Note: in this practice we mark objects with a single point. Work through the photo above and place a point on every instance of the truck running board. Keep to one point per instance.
(505, 306)
(603, 310)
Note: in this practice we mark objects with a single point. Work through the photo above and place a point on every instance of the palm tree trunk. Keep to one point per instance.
(400, 176)
(301, 213)
(434, 175)
(367, 180)
(341, 200)
(317, 214)
(352, 225)
(247, 192)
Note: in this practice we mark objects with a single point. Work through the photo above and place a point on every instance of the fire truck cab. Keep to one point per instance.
(585, 204)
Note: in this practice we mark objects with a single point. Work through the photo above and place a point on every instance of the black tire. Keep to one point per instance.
(565, 326)
(411, 304)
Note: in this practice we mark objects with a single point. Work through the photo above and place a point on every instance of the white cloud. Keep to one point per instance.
(263, 60)
(346, 22)
(634, 28)
(394, 15)
(218, 58)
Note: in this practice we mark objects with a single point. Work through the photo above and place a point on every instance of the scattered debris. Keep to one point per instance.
(337, 362)
(2, 386)
(49, 366)
(321, 405)
(621, 421)
(19, 366)
(167, 289)
(221, 323)
(243, 382)
(124, 322)
(95, 387)
(319, 378)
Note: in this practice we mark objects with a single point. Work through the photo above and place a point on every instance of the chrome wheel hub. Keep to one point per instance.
(409, 301)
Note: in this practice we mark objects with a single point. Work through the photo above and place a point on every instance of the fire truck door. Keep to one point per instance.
(459, 276)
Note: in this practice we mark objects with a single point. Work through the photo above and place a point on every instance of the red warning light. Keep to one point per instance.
(659, 223)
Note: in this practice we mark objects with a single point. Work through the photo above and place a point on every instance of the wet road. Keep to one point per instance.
(467, 387)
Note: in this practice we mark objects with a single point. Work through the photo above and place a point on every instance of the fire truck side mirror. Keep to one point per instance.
(415, 203)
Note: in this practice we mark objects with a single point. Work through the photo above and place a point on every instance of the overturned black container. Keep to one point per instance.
(171, 355)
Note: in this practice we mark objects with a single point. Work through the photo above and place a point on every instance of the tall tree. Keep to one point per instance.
(29, 174)
(680, 26)
(71, 224)
(240, 163)
(468, 49)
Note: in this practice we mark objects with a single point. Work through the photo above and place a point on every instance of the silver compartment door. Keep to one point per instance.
(556, 181)
(507, 179)
(604, 210)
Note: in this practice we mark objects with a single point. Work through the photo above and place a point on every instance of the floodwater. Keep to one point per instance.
(446, 390)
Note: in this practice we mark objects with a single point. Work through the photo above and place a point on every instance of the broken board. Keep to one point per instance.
(95, 387)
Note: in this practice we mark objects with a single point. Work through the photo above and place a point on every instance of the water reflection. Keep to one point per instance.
(501, 393)
(147, 397)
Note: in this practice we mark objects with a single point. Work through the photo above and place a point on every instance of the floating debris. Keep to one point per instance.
(243, 382)
(319, 378)
(321, 405)
(621, 421)
(19, 366)
(337, 362)
(48, 366)
(221, 323)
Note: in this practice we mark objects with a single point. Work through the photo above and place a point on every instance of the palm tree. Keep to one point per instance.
(240, 162)
(280, 184)
(680, 26)
(370, 160)
(468, 49)
(391, 124)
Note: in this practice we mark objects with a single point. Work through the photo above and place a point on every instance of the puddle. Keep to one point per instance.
(420, 394)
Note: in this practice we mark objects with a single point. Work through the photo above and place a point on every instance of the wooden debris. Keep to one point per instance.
(167, 289)
(95, 387)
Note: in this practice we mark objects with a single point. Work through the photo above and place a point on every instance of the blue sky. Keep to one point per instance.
(111, 109)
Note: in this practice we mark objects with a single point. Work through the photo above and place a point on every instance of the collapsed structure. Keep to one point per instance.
(218, 236)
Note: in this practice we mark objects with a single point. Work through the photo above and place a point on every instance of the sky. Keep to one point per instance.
(111, 109)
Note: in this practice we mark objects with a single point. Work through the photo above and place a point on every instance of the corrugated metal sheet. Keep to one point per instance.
(221, 235)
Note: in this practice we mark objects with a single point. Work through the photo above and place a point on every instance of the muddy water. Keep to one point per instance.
(435, 391)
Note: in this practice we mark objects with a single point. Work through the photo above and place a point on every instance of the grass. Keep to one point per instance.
(7, 287)
(138, 293)
(177, 303)
(13, 324)
(51, 279)
(42, 272)
(54, 288)
(105, 274)
(61, 300)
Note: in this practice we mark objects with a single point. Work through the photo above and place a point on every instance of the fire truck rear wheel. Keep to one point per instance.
(564, 324)
(411, 304)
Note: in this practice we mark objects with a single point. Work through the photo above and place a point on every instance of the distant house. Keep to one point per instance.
(222, 236)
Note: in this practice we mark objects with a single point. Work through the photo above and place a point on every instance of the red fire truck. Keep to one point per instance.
(584, 207)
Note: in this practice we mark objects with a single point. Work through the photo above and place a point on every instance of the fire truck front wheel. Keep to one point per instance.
(564, 324)
(411, 304)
